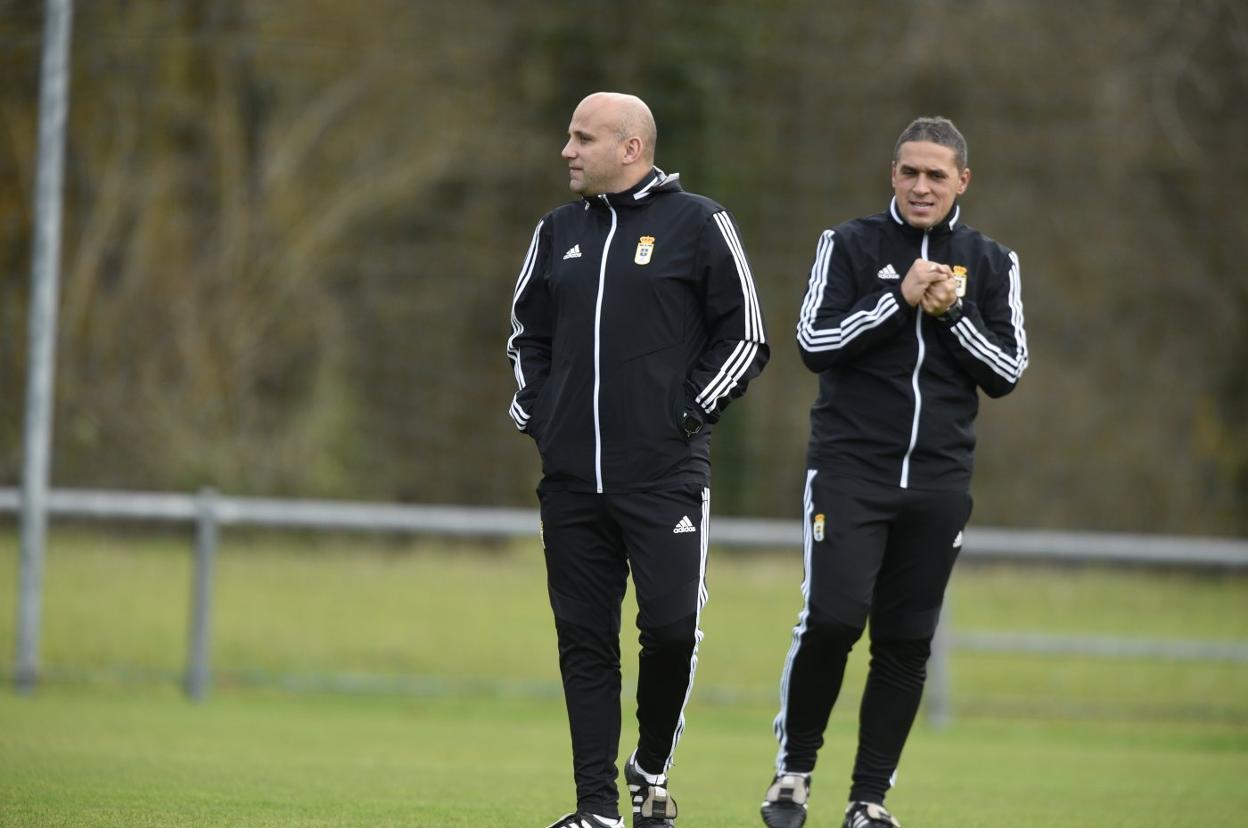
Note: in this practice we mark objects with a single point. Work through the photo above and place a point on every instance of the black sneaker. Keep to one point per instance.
(581, 819)
(869, 815)
(653, 806)
(784, 805)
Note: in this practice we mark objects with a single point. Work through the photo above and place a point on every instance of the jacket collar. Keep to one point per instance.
(946, 225)
(655, 181)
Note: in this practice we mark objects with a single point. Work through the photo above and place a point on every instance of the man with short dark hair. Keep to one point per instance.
(634, 323)
(908, 314)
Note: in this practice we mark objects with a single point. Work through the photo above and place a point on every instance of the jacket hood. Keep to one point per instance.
(655, 181)
(946, 224)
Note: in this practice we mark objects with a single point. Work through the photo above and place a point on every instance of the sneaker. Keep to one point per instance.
(869, 815)
(653, 806)
(784, 805)
(581, 819)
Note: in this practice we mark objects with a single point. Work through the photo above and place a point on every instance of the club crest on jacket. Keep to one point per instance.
(644, 248)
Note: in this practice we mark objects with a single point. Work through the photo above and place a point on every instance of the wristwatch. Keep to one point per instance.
(690, 423)
(953, 314)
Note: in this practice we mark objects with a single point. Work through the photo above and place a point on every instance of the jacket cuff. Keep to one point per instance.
(691, 404)
(907, 310)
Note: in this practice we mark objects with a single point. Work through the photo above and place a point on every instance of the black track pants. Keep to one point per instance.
(592, 543)
(871, 552)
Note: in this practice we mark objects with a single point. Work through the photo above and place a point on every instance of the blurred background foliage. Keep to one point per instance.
(292, 231)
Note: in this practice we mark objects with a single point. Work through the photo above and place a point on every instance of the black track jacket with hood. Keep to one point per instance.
(631, 308)
(898, 388)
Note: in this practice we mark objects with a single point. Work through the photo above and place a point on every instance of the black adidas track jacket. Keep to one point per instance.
(898, 388)
(629, 309)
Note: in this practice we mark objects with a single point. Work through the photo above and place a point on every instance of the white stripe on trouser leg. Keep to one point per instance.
(781, 723)
(704, 543)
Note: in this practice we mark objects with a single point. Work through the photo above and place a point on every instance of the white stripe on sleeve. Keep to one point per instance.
(1006, 365)
(814, 339)
(522, 282)
(742, 356)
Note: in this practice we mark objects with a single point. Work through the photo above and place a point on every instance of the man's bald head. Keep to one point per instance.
(610, 143)
(629, 117)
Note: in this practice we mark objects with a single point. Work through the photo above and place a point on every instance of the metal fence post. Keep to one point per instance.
(198, 669)
(45, 278)
(938, 673)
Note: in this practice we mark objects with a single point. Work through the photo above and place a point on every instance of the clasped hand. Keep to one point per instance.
(930, 285)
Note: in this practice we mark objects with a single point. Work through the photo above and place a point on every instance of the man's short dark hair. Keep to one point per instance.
(938, 130)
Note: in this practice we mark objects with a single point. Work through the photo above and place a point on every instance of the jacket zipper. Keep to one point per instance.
(914, 381)
(602, 281)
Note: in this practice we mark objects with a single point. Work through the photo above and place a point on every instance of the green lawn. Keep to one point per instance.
(448, 710)
(92, 757)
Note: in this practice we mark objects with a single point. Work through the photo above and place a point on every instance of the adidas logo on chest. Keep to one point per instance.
(574, 252)
(887, 272)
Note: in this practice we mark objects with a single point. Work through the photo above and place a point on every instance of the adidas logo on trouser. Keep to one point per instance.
(685, 525)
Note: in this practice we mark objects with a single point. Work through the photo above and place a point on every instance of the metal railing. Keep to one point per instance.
(208, 511)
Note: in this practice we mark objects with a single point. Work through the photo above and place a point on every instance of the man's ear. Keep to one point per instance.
(964, 180)
(632, 150)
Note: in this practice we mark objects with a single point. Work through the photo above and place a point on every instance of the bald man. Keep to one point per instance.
(634, 324)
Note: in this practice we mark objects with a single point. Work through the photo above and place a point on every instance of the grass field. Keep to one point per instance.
(446, 709)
